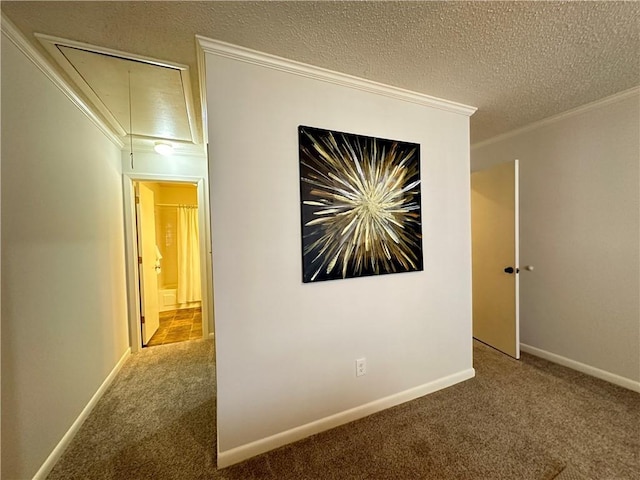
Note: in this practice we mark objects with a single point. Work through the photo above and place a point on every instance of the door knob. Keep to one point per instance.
(510, 270)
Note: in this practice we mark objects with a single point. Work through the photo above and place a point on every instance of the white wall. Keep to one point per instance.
(579, 227)
(147, 162)
(285, 350)
(63, 281)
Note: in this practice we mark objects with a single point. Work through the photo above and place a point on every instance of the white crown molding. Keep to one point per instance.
(616, 97)
(15, 36)
(223, 49)
(202, 84)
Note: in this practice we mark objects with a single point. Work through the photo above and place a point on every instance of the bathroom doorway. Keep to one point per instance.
(170, 294)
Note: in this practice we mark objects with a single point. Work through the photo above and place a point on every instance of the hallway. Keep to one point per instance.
(156, 420)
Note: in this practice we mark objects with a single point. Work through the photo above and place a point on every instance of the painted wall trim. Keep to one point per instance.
(582, 367)
(16, 37)
(223, 49)
(243, 452)
(202, 85)
(57, 452)
(616, 97)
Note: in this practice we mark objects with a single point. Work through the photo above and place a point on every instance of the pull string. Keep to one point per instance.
(130, 124)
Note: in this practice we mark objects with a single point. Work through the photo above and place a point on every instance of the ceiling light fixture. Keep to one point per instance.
(163, 148)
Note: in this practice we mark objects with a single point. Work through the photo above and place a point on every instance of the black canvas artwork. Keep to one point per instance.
(360, 205)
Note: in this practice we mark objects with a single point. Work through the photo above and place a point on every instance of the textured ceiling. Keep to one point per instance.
(518, 62)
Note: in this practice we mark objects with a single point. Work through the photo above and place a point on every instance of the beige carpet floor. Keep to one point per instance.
(517, 420)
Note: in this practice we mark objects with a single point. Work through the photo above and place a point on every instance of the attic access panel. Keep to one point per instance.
(360, 205)
(160, 95)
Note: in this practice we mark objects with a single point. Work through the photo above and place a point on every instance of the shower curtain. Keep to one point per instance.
(188, 255)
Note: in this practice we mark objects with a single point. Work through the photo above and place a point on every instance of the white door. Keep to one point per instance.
(494, 233)
(146, 262)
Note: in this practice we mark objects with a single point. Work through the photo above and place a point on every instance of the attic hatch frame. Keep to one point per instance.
(52, 44)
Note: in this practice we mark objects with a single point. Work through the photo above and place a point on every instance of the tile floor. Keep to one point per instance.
(178, 326)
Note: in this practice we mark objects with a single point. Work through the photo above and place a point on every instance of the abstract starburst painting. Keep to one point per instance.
(360, 207)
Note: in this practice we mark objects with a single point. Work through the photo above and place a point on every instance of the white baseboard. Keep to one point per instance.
(57, 452)
(243, 452)
(582, 367)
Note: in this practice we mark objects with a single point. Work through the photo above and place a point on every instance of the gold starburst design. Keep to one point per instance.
(360, 205)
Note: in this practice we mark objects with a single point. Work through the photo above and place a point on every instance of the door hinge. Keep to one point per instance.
(141, 319)
(137, 199)
(139, 260)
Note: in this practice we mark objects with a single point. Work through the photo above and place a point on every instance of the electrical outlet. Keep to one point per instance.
(361, 367)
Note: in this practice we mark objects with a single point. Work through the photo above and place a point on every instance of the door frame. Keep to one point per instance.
(131, 251)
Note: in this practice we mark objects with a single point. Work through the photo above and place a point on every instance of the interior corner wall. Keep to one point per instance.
(64, 315)
(285, 350)
(579, 228)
